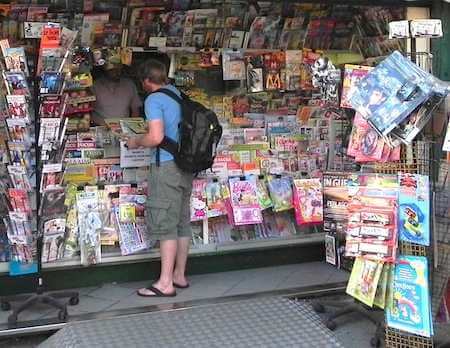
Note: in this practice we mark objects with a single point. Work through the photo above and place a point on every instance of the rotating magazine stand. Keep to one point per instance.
(52, 299)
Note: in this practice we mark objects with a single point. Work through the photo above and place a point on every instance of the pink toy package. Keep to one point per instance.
(244, 202)
(308, 201)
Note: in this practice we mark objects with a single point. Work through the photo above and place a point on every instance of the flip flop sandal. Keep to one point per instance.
(178, 286)
(156, 293)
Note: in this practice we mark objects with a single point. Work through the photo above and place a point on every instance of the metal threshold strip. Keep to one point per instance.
(50, 325)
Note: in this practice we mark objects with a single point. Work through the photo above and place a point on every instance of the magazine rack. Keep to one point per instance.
(52, 299)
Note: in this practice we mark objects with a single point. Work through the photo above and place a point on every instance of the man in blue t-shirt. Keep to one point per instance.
(168, 204)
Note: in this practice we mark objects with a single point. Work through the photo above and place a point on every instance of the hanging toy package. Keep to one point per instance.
(89, 224)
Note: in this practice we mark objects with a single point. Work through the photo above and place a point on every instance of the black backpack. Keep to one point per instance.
(199, 134)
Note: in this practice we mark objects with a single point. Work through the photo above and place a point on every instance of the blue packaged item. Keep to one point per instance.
(408, 307)
(414, 209)
(392, 91)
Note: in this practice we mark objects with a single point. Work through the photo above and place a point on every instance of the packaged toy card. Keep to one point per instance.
(393, 90)
(414, 209)
(199, 206)
(364, 279)
(280, 189)
(408, 308)
(371, 249)
(244, 201)
(308, 201)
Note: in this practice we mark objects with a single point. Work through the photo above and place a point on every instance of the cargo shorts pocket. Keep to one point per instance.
(158, 217)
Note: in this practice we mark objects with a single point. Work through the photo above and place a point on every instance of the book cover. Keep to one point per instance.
(409, 308)
(414, 209)
(364, 279)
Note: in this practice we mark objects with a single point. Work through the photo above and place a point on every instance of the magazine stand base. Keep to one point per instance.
(52, 299)
(344, 308)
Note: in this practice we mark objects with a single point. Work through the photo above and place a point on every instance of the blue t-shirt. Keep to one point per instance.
(159, 106)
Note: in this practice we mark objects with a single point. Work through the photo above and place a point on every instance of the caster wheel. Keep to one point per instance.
(62, 315)
(12, 320)
(6, 306)
(318, 308)
(375, 342)
(74, 301)
(331, 325)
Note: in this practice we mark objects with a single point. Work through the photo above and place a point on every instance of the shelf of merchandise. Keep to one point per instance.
(198, 250)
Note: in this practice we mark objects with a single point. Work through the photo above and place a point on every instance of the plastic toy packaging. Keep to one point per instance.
(244, 208)
(408, 307)
(199, 207)
(90, 225)
(414, 209)
(280, 189)
(308, 201)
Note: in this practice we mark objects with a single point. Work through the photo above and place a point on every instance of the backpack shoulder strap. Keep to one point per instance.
(170, 94)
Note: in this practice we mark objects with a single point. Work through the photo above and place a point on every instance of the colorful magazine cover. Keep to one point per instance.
(215, 199)
(18, 107)
(51, 83)
(364, 279)
(353, 74)
(280, 189)
(414, 209)
(233, 65)
(393, 90)
(264, 32)
(16, 83)
(199, 206)
(409, 307)
(308, 201)
(263, 194)
(16, 61)
(244, 201)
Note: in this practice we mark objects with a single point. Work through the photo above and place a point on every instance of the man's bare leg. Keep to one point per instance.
(179, 276)
(168, 249)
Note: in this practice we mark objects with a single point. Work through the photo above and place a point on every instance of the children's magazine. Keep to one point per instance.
(364, 279)
(244, 201)
(308, 201)
(408, 308)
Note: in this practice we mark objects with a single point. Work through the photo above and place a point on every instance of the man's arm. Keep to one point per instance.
(152, 138)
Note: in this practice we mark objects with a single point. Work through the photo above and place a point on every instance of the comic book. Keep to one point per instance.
(364, 279)
(408, 308)
(352, 76)
(245, 208)
(414, 209)
(199, 205)
(308, 201)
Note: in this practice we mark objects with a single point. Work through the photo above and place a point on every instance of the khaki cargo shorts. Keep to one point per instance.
(168, 214)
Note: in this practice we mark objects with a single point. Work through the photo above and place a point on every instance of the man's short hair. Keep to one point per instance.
(154, 71)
